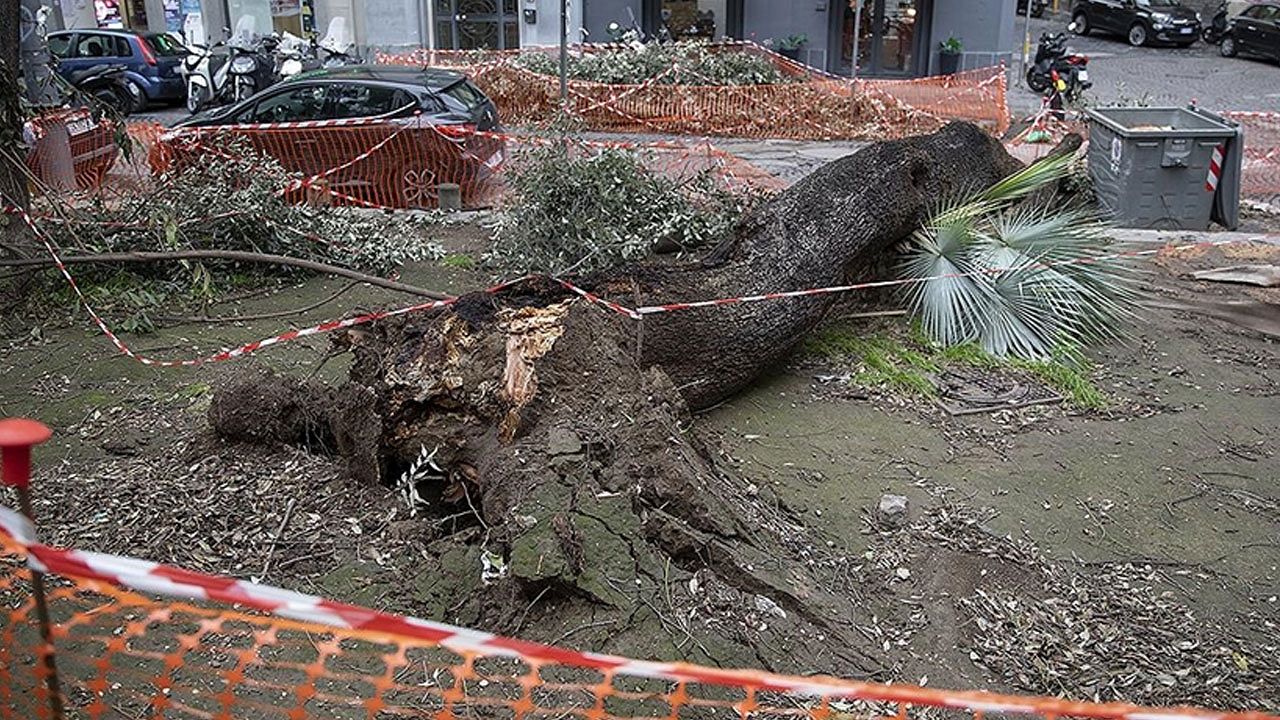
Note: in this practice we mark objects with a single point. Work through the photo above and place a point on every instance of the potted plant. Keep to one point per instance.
(791, 45)
(949, 52)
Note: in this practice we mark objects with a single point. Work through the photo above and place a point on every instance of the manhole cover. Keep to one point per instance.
(970, 391)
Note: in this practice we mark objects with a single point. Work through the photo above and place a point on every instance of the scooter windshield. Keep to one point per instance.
(336, 38)
(245, 32)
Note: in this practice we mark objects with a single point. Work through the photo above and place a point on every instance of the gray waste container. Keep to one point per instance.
(1151, 167)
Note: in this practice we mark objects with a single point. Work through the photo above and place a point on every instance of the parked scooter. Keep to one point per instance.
(215, 77)
(105, 84)
(294, 56)
(1057, 71)
(1217, 28)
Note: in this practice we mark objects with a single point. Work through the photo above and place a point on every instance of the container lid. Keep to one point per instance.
(1158, 122)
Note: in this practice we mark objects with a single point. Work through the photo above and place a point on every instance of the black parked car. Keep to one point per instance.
(1256, 31)
(422, 122)
(1141, 22)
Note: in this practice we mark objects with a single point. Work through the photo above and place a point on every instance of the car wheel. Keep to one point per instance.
(1138, 35)
(1228, 47)
(137, 96)
(1082, 23)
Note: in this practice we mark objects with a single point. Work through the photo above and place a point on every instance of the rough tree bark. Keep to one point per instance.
(14, 239)
(13, 185)
(579, 461)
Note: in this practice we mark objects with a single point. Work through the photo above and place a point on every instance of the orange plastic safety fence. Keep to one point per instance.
(69, 149)
(979, 96)
(390, 163)
(121, 654)
(813, 106)
(1260, 174)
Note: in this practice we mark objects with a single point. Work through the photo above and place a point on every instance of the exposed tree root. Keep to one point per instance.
(567, 431)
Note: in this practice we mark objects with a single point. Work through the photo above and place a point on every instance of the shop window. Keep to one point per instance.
(700, 19)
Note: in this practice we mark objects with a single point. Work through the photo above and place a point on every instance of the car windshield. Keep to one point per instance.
(462, 96)
(165, 45)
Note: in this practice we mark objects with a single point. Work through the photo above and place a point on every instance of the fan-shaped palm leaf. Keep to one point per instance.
(1020, 280)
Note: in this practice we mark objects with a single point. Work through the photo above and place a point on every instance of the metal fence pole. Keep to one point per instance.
(17, 437)
(857, 33)
(564, 53)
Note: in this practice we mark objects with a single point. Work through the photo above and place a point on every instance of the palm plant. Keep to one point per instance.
(1021, 279)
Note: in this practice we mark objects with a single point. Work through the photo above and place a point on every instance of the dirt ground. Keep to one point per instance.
(1026, 527)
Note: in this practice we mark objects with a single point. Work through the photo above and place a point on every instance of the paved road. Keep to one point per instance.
(1159, 76)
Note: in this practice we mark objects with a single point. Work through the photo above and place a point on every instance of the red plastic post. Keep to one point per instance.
(17, 437)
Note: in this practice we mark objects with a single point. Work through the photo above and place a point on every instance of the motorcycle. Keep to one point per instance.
(1057, 71)
(1213, 33)
(106, 84)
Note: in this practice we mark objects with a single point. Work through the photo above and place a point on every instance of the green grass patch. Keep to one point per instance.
(1070, 379)
(900, 358)
(459, 261)
(883, 360)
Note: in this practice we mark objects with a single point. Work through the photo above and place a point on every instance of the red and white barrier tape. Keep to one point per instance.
(637, 313)
(738, 300)
(295, 125)
(155, 579)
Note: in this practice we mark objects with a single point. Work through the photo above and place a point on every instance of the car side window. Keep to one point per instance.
(356, 101)
(60, 45)
(1254, 12)
(295, 105)
(94, 46)
(1269, 13)
(122, 47)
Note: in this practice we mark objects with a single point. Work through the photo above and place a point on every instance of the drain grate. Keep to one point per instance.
(972, 391)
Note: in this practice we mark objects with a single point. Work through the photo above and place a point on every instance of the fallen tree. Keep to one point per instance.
(565, 430)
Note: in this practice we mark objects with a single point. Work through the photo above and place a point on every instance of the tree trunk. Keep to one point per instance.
(570, 440)
(13, 185)
(14, 238)
(835, 225)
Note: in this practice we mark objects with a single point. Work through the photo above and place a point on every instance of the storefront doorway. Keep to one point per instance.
(694, 19)
(477, 24)
(891, 38)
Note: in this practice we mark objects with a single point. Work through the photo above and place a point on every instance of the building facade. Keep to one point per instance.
(882, 38)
